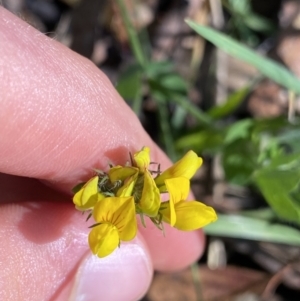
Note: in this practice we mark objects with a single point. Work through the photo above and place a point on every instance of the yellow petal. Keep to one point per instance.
(119, 211)
(142, 158)
(150, 199)
(167, 210)
(88, 195)
(185, 167)
(193, 215)
(178, 189)
(127, 188)
(103, 239)
(121, 173)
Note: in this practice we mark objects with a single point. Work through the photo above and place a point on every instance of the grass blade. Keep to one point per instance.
(266, 66)
(245, 227)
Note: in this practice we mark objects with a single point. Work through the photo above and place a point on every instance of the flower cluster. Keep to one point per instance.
(115, 197)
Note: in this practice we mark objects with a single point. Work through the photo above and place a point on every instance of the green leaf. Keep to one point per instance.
(129, 82)
(154, 69)
(203, 140)
(173, 82)
(238, 130)
(233, 101)
(241, 7)
(251, 228)
(267, 67)
(279, 183)
(132, 34)
(181, 100)
(290, 138)
(192, 109)
(179, 117)
(163, 72)
(240, 161)
(166, 132)
(263, 213)
(258, 23)
(295, 195)
(285, 162)
(270, 125)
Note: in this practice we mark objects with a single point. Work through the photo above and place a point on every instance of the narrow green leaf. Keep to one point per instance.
(203, 140)
(186, 104)
(267, 67)
(165, 127)
(181, 100)
(258, 23)
(263, 213)
(233, 101)
(133, 35)
(179, 117)
(251, 228)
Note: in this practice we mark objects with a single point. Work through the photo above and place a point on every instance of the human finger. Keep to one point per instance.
(61, 118)
(44, 253)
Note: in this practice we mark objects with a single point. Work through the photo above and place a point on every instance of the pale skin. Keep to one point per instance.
(61, 117)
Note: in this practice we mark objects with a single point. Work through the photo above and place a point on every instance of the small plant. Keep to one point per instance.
(115, 197)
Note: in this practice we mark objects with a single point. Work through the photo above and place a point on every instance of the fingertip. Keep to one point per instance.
(45, 251)
(124, 275)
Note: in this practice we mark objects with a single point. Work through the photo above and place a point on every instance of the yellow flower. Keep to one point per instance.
(118, 173)
(142, 158)
(146, 191)
(88, 195)
(181, 214)
(116, 196)
(116, 221)
(186, 167)
(128, 187)
(143, 189)
(127, 175)
(138, 182)
(148, 195)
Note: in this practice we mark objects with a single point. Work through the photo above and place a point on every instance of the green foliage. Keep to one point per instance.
(264, 154)
(232, 103)
(254, 228)
(206, 140)
(279, 183)
(244, 23)
(129, 83)
(255, 155)
(267, 67)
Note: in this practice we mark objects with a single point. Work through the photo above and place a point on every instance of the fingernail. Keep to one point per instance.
(123, 275)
